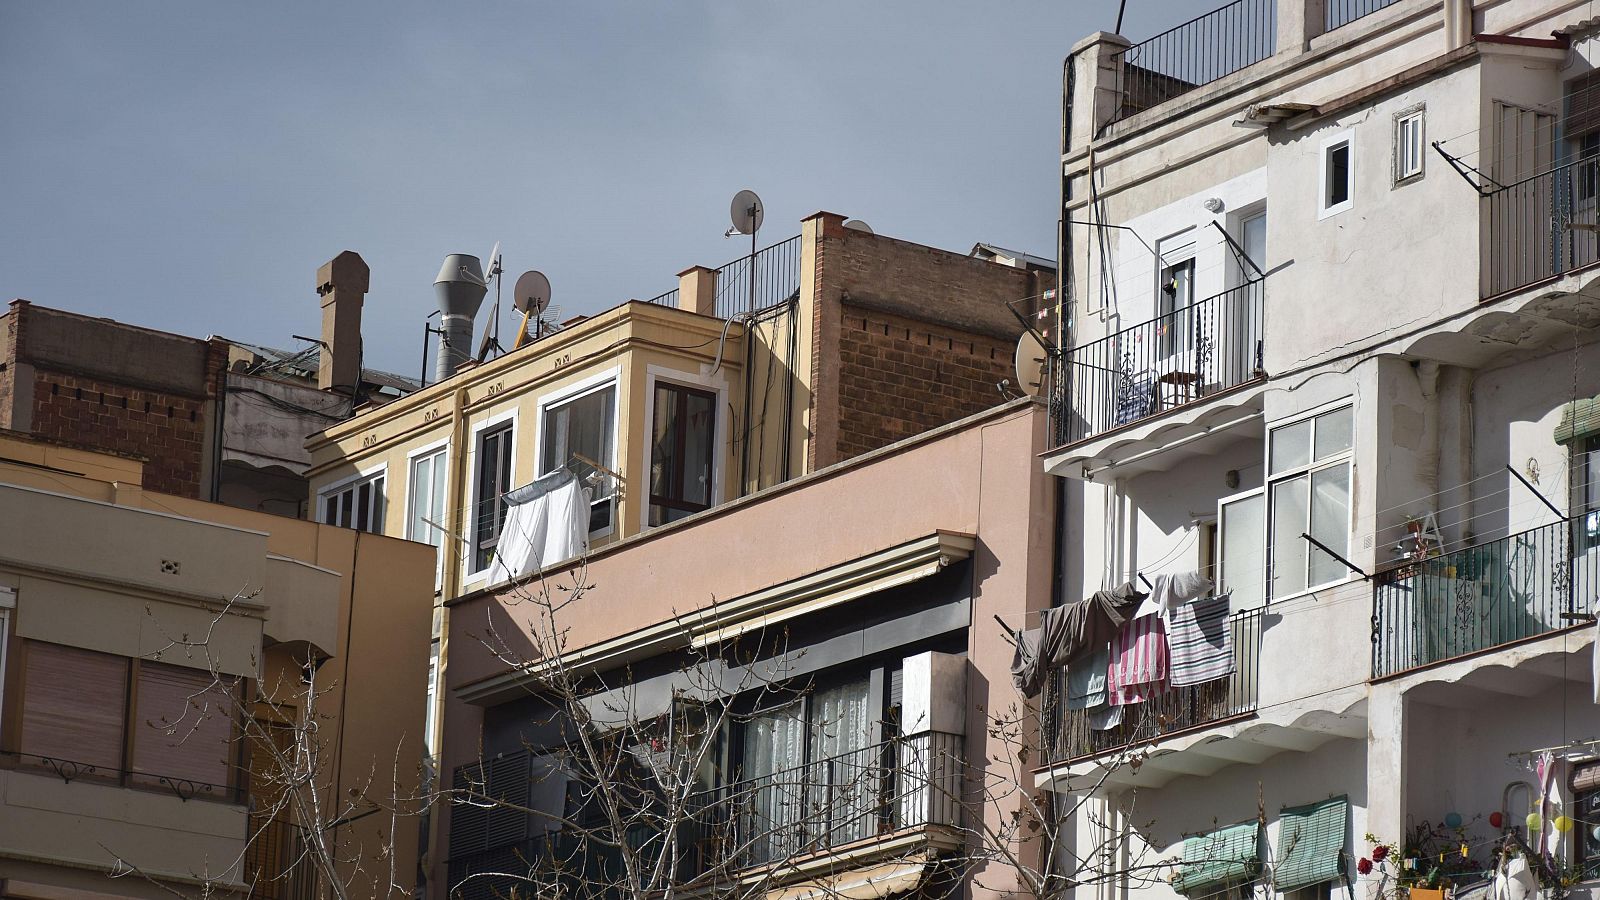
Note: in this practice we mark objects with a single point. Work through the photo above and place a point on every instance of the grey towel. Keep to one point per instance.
(1069, 633)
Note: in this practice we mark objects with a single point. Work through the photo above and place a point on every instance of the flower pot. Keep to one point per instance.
(1417, 893)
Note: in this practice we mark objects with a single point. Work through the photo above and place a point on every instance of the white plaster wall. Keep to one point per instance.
(1161, 818)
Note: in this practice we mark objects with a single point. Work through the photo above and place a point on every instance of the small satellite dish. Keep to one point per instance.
(858, 225)
(492, 265)
(746, 212)
(1030, 364)
(532, 293)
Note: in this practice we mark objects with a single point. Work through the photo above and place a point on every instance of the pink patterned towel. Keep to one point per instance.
(1138, 668)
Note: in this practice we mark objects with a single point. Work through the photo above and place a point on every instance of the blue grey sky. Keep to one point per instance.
(188, 165)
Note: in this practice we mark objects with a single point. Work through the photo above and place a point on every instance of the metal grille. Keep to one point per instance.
(1481, 597)
(1339, 13)
(1170, 361)
(670, 298)
(777, 278)
(1197, 52)
(1542, 226)
(1070, 734)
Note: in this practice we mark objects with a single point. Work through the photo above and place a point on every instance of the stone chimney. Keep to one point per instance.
(697, 290)
(342, 285)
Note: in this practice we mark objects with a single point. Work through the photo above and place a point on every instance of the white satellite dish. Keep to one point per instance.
(858, 225)
(491, 264)
(746, 212)
(1030, 364)
(532, 293)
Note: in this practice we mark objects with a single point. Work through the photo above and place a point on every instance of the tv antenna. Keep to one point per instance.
(491, 336)
(530, 296)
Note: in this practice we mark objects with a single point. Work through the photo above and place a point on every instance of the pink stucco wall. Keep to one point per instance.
(979, 476)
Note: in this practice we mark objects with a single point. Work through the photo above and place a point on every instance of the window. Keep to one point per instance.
(78, 707)
(577, 433)
(8, 603)
(358, 506)
(1409, 145)
(488, 498)
(1587, 148)
(1589, 466)
(1309, 493)
(1586, 798)
(425, 504)
(1338, 175)
(681, 452)
(431, 714)
(1240, 539)
(1176, 331)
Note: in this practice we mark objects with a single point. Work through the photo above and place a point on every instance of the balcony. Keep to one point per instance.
(1172, 361)
(812, 811)
(753, 282)
(1070, 736)
(1542, 227)
(1479, 598)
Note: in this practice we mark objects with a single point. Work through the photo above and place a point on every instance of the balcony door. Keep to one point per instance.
(1241, 356)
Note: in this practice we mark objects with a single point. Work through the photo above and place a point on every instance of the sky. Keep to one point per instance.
(187, 166)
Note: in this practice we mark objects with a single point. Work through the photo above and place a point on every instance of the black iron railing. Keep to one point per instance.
(1173, 360)
(902, 783)
(670, 298)
(1481, 597)
(1338, 13)
(1197, 52)
(70, 770)
(776, 279)
(1542, 226)
(1071, 734)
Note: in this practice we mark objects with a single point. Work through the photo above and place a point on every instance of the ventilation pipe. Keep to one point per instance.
(460, 287)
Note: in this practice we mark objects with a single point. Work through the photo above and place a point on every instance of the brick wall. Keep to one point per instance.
(165, 428)
(899, 377)
(905, 337)
(8, 367)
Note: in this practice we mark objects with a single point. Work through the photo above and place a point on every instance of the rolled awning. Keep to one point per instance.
(1579, 419)
(1219, 857)
(1311, 843)
(871, 883)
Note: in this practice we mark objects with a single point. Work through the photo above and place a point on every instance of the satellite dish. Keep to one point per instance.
(746, 212)
(532, 293)
(858, 225)
(1030, 364)
(492, 265)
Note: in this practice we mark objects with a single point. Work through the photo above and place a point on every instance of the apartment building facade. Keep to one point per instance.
(1325, 337)
(193, 695)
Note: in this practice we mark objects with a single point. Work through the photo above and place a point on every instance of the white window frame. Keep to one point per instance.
(611, 378)
(1403, 172)
(1271, 479)
(352, 483)
(1347, 138)
(440, 449)
(8, 606)
(1220, 560)
(717, 386)
(469, 519)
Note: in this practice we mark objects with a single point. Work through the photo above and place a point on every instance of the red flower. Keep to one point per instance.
(1364, 866)
(1379, 852)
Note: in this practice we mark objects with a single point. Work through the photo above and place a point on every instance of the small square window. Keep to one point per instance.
(1408, 146)
(1338, 175)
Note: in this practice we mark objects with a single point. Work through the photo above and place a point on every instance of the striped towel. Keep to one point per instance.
(1138, 669)
(1200, 642)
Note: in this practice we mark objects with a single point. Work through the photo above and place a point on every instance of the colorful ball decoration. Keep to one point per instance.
(1452, 820)
(1535, 822)
(1563, 824)
(1496, 819)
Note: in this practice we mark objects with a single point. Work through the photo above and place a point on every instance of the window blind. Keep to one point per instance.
(1311, 843)
(185, 725)
(73, 705)
(1219, 857)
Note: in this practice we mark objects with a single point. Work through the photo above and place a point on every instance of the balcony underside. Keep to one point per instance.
(1163, 441)
(1506, 674)
(1299, 727)
(1528, 319)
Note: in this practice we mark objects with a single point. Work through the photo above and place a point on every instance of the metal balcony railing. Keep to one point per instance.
(1481, 597)
(1541, 227)
(901, 783)
(1339, 13)
(824, 804)
(1197, 52)
(1173, 360)
(1070, 733)
(777, 278)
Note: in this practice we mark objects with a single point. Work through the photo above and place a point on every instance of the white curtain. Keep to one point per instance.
(844, 773)
(771, 793)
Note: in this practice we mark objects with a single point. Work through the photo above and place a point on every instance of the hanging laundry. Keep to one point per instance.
(1069, 633)
(1086, 680)
(546, 523)
(1138, 669)
(1551, 772)
(1168, 592)
(1105, 718)
(1199, 641)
